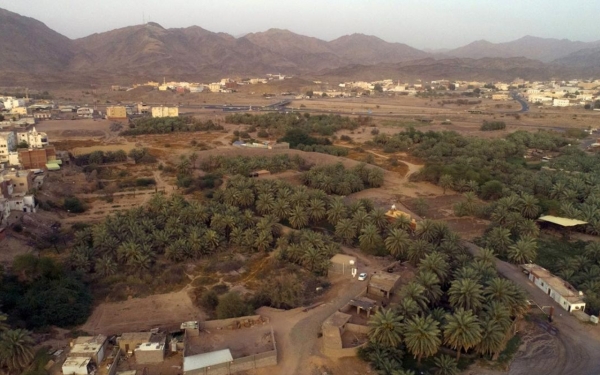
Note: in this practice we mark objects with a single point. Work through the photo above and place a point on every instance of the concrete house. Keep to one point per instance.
(33, 138)
(93, 347)
(558, 289)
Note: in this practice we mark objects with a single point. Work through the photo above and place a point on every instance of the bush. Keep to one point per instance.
(142, 182)
(231, 305)
(262, 134)
(493, 125)
(209, 300)
(74, 205)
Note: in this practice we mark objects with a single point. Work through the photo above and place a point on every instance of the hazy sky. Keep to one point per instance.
(421, 24)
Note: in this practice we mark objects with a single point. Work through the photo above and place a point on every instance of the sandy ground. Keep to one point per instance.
(166, 311)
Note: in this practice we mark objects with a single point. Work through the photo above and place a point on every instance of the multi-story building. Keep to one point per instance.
(561, 103)
(165, 111)
(33, 138)
(116, 113)
(500, 96)
(8, 142)
(214, 87)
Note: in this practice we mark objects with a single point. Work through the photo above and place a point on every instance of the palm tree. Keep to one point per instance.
(462, 331)
(311, 257)
(417, 250)
(369, 238)
(499, 313)
(386, 328)
(361, 218)
(397, 242)
(487, 256)
(281, 208)
(492, 337)
(426, 230)
(445, 182)
(422, 336)
(265, 203)
(3, 325)
(523, 251)
(316, 209)
(298, 217)
(431, 283)
(592, 251)
(407, 307)
(529, 206)
(498, 239)
(106, 266)
(337, 211)
(16, 349)
(345, 230)
(379, 219)
(211, 239)
(445, 365)
(193, 159)
(142, 262)
(436, 263)
(416, 292)
(127, 251)
(465, 294)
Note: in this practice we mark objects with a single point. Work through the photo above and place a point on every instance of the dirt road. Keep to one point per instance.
(578, 343)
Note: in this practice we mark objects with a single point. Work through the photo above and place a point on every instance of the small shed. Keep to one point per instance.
(383, 284)
(342, 264)
(150, 352)
(196, 364)
(77, 366)
(363, 303)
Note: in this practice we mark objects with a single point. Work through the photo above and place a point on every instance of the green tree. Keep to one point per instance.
(445, 182)
(385, 328)
(492, 337)
(445, 365)
(523, 251)
(345, 230)
(231, 305)
(465, 294)
(436, 263)
(298, 217)
(422, 336)
(462, 331)
(397, 242)
(16, 349)
(431, 283)
(369, 238)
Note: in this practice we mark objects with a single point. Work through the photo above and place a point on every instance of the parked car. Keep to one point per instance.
(362, 276)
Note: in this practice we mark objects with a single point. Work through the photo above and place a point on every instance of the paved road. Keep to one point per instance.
(524, 104)
(579, 343)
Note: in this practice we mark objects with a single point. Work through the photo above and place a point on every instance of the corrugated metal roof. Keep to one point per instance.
(562, 221)
(203, 360)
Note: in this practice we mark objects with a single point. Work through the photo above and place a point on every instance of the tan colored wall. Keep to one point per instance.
(222, 323)
(341, 353)
(149, 356)
(351, 327)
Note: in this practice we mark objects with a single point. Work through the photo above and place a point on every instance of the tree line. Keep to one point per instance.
(165, 125)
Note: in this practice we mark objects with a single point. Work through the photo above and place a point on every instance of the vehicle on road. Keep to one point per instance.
(362, 276)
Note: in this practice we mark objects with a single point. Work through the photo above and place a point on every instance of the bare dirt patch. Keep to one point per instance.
(166, 311)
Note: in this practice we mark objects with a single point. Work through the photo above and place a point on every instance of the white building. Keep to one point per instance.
(165, 111)
(33, 138)
(561, 103)
(85, 111)
(10, 103)
(533, 91)
(558, 289)
(77, 366)
(8, 143)
(539, 99)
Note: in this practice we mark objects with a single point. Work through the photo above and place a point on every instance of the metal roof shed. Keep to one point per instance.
(562, 221)
(200, 361)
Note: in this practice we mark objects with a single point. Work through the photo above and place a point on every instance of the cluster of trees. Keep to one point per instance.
(455, 302)
(38, 292)
(101, 157)
(493, 125)
(336, 179)
(323, 149)
(278, 123)
(244, 165)
(141, 155)
(169, 125)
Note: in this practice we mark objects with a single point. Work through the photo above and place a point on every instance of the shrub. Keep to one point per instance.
(493, 125)
(74, 205)
(231, 305)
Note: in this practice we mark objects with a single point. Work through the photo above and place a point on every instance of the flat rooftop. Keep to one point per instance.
(76, 362)
(150, 346)
(337, 319)
(203, 360)
(85, 348)
(566, 290)
(343, 258)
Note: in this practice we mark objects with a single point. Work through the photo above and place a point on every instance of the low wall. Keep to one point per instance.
(357, 328)
(343, 352)
(223, 323)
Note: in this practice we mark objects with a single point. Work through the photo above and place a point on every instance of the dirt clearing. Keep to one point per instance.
(166, 311)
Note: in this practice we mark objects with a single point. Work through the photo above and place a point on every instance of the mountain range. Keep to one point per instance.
(32, 52)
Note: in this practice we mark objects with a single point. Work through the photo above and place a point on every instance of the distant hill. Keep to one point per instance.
(33, 54)
(367, 49)
(27, 45)
(542, 49)
(485, 69)
(585, 58)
